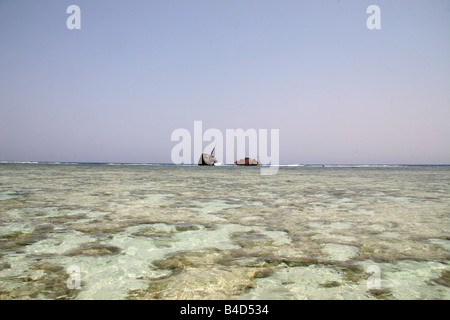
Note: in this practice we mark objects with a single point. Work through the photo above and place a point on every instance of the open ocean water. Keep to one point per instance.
(74, 231)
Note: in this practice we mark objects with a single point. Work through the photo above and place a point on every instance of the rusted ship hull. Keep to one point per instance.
(247, 162)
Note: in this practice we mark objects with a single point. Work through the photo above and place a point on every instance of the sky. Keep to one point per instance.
(115, 89)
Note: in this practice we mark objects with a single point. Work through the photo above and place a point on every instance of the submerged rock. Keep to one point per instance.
(4, 265)
(251, 239)
(291, 261)
(184, 259)
(204, 274)
(198, 283)
(18, 239)
(330, 284)
(163, 229)
(43, 281)
(383, 293)
(187, 227)
(444, 279)
(94, 249)
(352, 273)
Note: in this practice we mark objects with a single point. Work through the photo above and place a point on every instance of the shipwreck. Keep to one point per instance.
(247, 162)
(207, 159)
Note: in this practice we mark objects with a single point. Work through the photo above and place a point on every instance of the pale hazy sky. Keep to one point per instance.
(116, 89)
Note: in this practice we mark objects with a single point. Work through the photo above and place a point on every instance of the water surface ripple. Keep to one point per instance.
(188, 232)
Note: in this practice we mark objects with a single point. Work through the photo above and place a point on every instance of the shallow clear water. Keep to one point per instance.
(189, 232)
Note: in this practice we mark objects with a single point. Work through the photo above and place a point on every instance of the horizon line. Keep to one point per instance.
(224, 164)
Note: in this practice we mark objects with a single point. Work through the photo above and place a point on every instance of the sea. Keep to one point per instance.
(171, 232)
